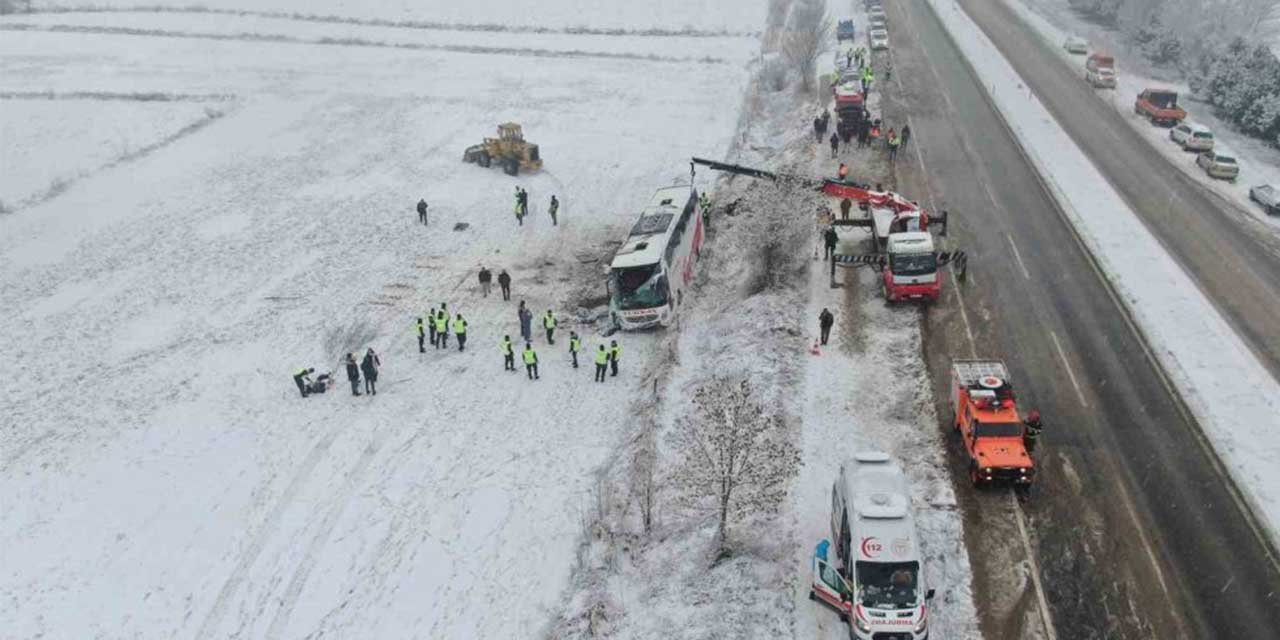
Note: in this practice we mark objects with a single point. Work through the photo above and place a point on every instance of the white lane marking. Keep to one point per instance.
(1070, 373)
(968, 331)
(1146, 544)
(1017, 255)
(1046, 616)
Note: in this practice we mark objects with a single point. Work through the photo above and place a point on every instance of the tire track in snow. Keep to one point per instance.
(359, 42)
(266, 529)
(280, 621)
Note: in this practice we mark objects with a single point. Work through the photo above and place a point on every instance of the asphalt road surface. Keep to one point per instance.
(1136, 531)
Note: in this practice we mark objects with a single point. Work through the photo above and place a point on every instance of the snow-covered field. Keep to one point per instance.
(1234, 398)
(1259, 162)
(665, 15)
(48, 145)
(160, 476)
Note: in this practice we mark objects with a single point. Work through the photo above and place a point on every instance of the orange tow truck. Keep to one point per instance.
(986, 417)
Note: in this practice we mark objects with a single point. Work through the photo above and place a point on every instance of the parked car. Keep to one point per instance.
(845, 30)
(1192, 137)
(1267, 195)
(876, 10)
(1076, 44)
(879, 39)
(1100, 71)
(1219, 165)
(877, 21)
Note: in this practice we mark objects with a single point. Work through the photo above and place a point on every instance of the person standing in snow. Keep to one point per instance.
(431, 325)
(906, 134)
(602, 363)
(575, 345)
(508, 354)
(829, 239)
(353, 374)
(504, 283)
(526, 322)
(442, 329)
(369, 366)
(1031, 435)
(301, 377)
(825, 320)
(549, 323)
(615, 354)
(420, 328)
(552, 209)
(460, 331)
(486, 277)
(422, 211)
(835, 144)
(519, 215)
(845, 205)
(524, 202)
(817, 128)
(530, 361)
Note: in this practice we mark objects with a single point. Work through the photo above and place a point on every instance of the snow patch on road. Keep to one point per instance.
(1234, 397)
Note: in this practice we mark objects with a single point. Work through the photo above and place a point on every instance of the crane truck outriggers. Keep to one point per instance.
(904, 251)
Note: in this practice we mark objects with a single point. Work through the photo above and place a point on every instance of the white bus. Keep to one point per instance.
(655, 264)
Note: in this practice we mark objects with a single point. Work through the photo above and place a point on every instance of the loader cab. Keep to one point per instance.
(876, 554)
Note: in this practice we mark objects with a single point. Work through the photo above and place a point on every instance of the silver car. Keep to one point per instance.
(1219, 165)
(1267, 195)
(879, 40)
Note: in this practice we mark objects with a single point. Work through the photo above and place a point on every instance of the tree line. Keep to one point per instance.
(1220, 45)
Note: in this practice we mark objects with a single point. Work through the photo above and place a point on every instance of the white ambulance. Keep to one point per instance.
(872, 574)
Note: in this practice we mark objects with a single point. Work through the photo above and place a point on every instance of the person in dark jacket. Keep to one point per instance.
(553, 209)
(486, 277)
(353, 374)
(829, 240)
(817, 128)
(504, 283)
(825, 320)
(526, 322)
(302, 379)
(422, 211)
(549, 323)
(1032, 433)
(835, 144)
(431, 325)
(615, 354)
(906, 135)
(369, 366)
(845, 205)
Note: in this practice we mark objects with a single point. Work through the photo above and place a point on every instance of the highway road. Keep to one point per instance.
(1136, 531)
(1233, 257)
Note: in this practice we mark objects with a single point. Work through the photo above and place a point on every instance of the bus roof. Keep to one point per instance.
(648, 239)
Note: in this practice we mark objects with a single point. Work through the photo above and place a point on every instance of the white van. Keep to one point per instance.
(1192, 137)
(875, 578)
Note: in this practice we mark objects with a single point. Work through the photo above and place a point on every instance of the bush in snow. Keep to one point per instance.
(1243, 85)
(806, 38)
(733, 452)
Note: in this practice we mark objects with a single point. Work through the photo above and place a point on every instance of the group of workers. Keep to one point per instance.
(522, 207)
(368, 367)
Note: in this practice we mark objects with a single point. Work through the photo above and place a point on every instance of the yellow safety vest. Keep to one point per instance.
(549, 321)
(442, 324)
(529, 356)
(575, 345)
(602, 356)
(505, 347)
(420, 328)
(617, 353)
(459, 326)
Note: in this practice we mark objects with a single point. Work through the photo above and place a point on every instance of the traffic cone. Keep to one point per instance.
(815, 350)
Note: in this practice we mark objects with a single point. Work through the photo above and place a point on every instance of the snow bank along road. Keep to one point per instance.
(159, 475)
(1137, 535)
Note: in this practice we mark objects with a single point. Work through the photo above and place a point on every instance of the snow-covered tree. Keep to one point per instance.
(806, 38)
(733, 452)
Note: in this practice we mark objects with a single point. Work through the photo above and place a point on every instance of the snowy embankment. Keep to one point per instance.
(159, 475)
(1234, 398)
(1259, 162)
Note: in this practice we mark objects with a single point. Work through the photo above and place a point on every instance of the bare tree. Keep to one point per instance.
(807, 38)
(733, 451)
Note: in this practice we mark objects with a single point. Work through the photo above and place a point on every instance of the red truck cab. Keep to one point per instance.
(1160, 106)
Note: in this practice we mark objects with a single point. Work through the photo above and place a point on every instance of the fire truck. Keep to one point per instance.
(985, 414)
(903, 248)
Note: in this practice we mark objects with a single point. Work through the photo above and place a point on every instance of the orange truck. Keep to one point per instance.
(985, 414)
(1160, 106)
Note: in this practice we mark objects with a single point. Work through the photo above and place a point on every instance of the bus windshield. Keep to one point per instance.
(643, 287)
(888, 584)
(913, 264)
